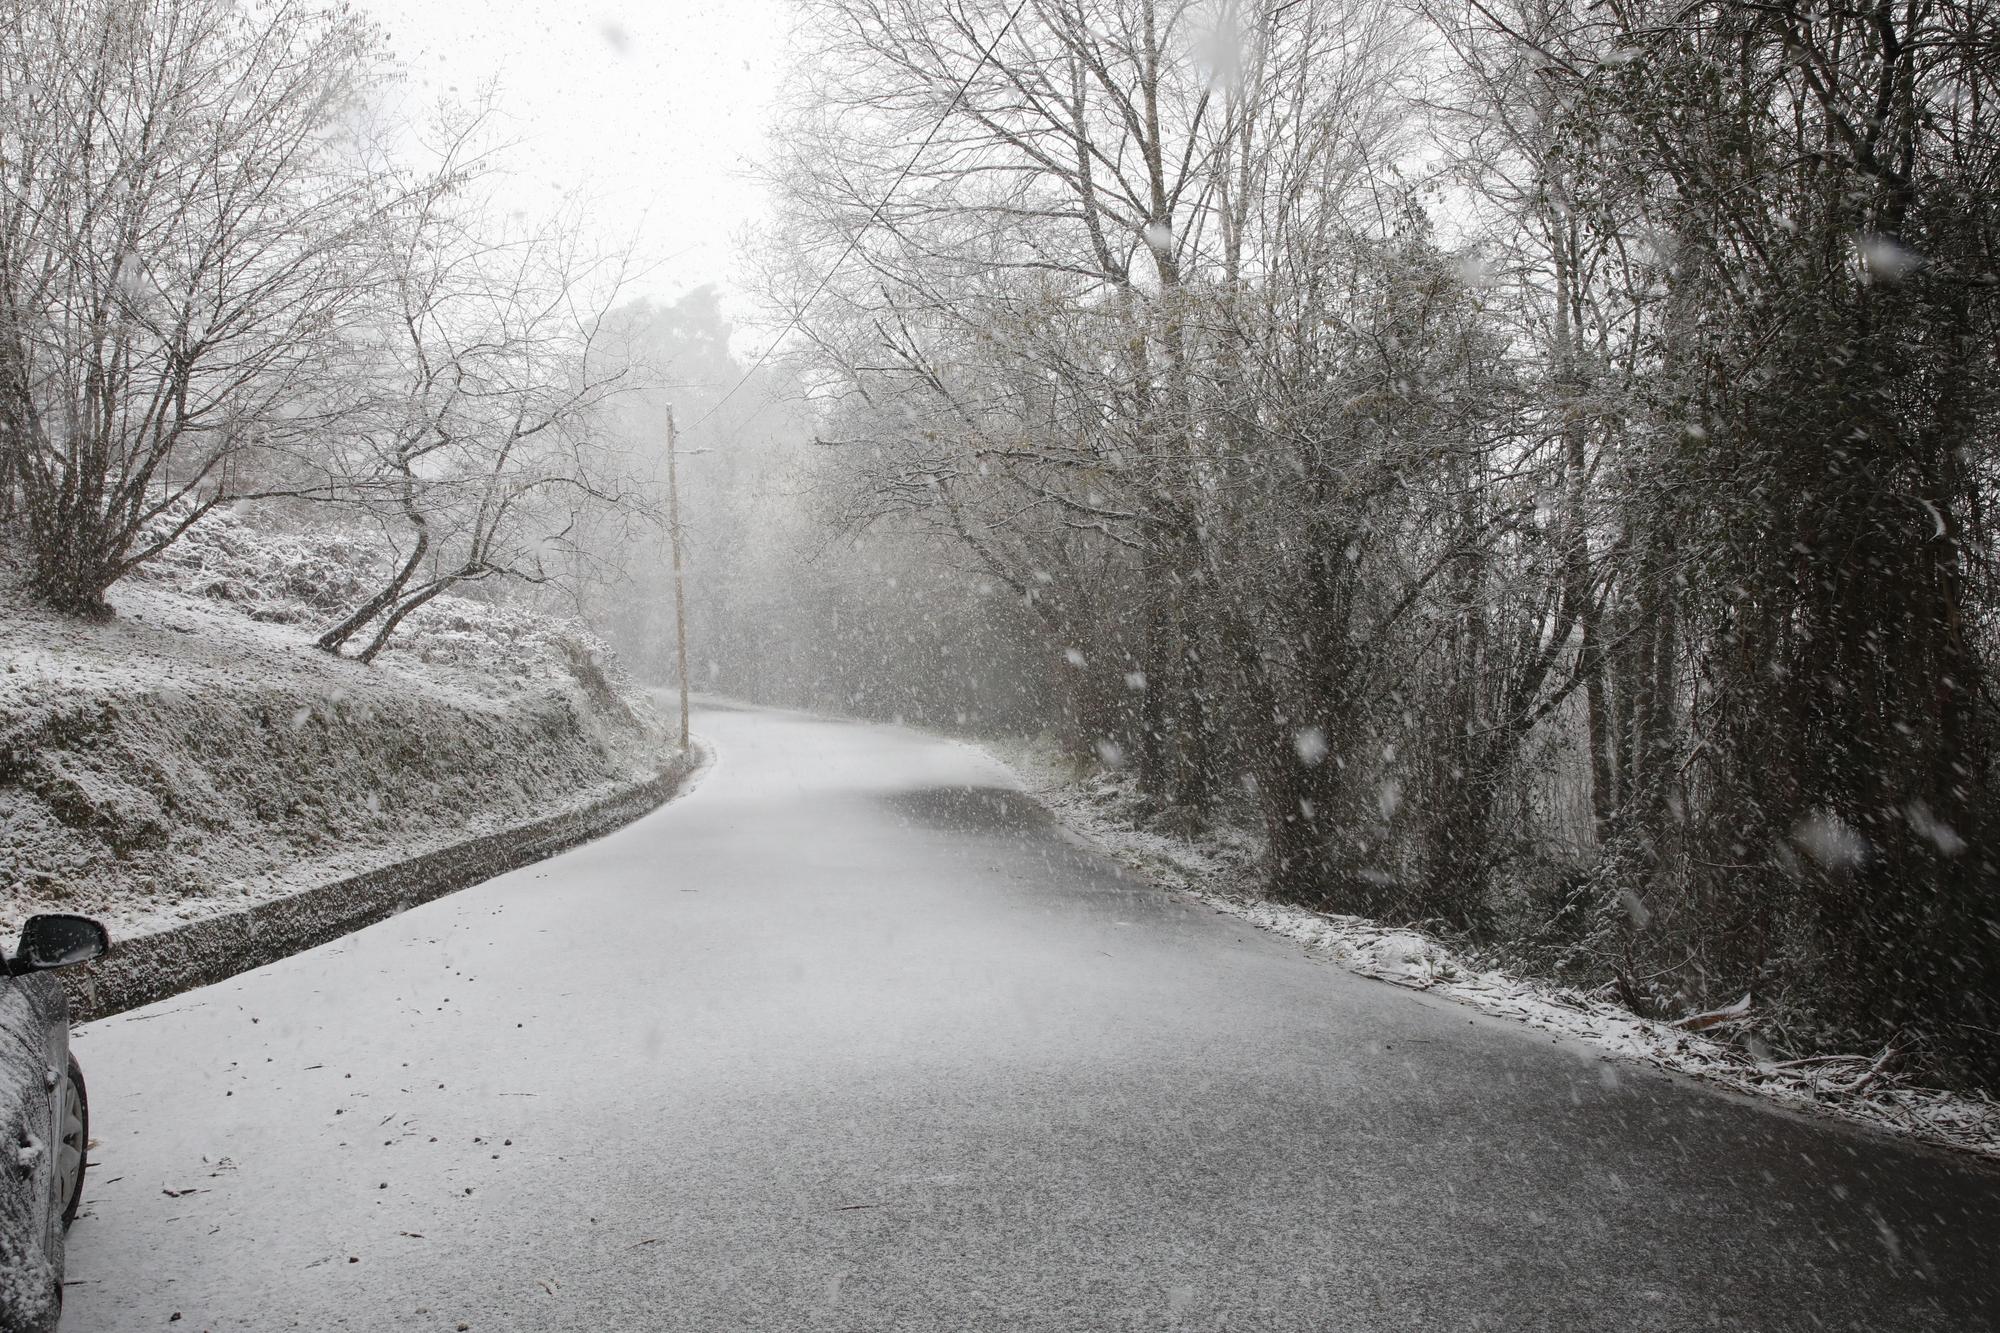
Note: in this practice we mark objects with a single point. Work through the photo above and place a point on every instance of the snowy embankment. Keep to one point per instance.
(195, 754)
(1223, 873)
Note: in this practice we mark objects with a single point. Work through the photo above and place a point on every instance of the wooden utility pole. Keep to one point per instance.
(680, 591)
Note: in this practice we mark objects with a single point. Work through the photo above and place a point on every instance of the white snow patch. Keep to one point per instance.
(1884, 260)
(1830, 841)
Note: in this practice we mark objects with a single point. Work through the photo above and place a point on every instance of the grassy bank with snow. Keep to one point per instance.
(195, 753)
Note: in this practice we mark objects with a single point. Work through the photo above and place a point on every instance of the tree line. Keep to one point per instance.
(1529, 459)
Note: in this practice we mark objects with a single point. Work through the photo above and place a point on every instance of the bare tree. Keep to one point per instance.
(473, 438)
(182, 225)
(1083, 200)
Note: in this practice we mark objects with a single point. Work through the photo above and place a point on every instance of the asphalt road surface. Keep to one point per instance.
(852, 1038)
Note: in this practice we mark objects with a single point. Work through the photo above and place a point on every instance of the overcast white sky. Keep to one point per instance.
(654, 107)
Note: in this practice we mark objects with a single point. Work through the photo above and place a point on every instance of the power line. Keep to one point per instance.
(873, 217)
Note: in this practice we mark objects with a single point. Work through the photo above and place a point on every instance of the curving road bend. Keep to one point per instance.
(851, 1038)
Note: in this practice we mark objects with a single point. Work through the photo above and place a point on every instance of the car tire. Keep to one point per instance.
(73, 1141)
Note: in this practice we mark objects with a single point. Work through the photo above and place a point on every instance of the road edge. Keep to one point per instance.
(1679, 1055)
(164, 963)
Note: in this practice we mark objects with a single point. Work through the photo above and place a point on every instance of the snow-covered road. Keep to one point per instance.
(851, 1038)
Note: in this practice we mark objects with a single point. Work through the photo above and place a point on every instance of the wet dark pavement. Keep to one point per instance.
(855, 1038)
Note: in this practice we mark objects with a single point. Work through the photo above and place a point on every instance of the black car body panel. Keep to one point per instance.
(34, 1050)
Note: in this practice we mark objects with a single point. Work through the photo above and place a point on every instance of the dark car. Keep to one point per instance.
(46, 1118)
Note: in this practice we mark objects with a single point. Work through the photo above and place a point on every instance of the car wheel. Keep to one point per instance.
(74, 1126)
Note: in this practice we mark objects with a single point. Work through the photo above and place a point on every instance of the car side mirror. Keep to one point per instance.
(58, 940)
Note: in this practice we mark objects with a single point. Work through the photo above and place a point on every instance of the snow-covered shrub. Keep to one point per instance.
(309, 577)
(289, 577)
